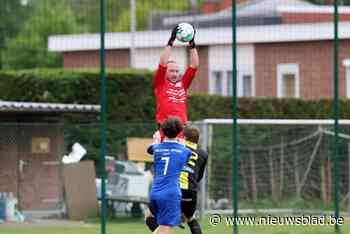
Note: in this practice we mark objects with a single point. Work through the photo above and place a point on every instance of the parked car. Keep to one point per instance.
(125, 179)
(128, 180)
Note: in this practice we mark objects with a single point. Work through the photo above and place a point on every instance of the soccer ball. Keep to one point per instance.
(185, 32)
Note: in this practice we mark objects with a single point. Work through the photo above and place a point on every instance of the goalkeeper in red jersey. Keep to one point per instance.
(170, 88)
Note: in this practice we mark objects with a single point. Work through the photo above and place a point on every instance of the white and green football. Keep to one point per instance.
(185, 32)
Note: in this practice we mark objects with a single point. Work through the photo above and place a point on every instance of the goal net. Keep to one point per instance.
(284, 166)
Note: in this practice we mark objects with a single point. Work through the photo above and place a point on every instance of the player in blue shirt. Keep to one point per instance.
(169, 158)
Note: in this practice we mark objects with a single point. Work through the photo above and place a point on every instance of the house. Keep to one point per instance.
(219, 14)
(31, 148)
(289, 55)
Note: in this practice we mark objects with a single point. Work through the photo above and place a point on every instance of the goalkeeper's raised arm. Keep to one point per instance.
(194, 58)
(164, 58)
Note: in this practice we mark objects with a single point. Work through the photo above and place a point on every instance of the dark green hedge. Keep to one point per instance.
(130, 96)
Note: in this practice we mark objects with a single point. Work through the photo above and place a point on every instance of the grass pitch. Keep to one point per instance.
(136, 226)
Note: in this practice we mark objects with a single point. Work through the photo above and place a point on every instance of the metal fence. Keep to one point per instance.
(255, 49)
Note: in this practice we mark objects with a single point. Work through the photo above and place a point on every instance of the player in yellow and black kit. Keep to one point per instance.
(191, 175)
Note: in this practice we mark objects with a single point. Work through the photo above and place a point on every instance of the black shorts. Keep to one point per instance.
(188, 203)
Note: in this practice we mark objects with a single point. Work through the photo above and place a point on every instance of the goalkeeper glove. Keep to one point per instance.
(173, 36)
(191, 43)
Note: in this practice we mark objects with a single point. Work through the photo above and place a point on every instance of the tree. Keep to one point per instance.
(143, 11)
(12, 14)
(29, 48)
(27, 45)
(118, 12)
(87, 13)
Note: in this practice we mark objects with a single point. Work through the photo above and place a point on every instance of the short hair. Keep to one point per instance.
(191, 134)
(171, 61)
(171, 127)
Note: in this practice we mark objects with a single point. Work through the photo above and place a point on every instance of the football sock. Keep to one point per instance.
(195, 227)
(151, 223)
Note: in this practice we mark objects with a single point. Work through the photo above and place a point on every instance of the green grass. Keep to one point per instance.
(132, 226)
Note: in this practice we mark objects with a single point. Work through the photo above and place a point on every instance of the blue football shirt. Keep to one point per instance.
(169, 159)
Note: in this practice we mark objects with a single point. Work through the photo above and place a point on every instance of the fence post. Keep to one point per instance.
(103, 119)
(336, 116)
(204, 183)
(235, 135)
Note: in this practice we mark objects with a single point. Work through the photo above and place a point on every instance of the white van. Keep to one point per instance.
(128, 180)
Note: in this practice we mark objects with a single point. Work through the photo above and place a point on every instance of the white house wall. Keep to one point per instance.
(148, 58)
(222, 36)
(220, 59)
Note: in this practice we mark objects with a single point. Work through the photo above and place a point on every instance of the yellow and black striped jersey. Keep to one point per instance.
(193, 171)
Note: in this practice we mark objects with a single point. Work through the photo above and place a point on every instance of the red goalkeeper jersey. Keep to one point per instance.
(171, 97)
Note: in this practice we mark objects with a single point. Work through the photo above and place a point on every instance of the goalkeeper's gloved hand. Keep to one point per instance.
(173, 36)
(191, 43)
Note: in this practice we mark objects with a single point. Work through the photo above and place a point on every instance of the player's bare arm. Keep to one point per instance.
(194, 58)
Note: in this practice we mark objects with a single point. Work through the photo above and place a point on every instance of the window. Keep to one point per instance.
(288, 85)
(288, 80)
(229, 83)
(247, 85)
(346, 64)
(218, 80)
(221, 84)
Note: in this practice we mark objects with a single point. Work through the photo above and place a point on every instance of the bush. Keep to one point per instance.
(130, 96)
